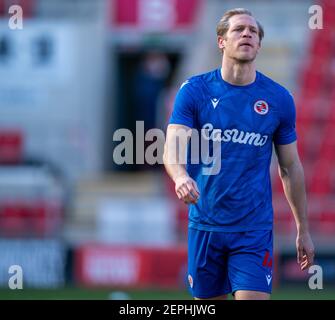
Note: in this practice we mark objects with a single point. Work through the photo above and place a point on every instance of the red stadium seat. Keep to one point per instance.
(11, 145)
(328, 14)
(12, 220)
(327, 222)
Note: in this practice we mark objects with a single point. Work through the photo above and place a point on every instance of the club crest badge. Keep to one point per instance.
(190, 280)
(261, 107)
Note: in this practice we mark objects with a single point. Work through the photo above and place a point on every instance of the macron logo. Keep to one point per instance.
(268, 278)
(215, 102)
(184, 83)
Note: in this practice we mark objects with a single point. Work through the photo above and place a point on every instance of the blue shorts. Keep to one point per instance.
(224, 262)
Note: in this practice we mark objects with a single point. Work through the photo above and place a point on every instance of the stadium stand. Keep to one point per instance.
(315, 110)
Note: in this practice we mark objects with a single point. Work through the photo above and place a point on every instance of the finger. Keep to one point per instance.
(300, 254)
(308, 257)
(304, 259)
(180, 196)
(191, 189)
(305, 265)
(181, 192)
(196, 187)
(186, 195)
(192, 193)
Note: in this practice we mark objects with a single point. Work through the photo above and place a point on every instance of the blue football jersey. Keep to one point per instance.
(244, 121)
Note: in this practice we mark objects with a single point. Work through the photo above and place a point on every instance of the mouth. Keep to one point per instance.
(246, 45)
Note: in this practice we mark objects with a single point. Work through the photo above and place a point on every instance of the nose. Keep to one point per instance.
(246, 33)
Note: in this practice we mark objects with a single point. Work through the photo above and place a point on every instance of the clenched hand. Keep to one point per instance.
(187, 190)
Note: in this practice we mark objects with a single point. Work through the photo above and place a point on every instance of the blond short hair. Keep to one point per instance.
(223, 24)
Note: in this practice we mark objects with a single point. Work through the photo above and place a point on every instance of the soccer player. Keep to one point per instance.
(230, 234)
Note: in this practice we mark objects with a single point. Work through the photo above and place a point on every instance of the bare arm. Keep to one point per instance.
(174, 158)
(292, 175)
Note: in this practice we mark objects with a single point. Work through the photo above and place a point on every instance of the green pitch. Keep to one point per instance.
(284, 293)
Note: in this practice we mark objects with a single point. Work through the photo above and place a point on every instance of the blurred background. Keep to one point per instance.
(82, 226)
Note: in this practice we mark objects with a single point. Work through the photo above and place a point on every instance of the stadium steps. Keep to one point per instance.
(90, 194)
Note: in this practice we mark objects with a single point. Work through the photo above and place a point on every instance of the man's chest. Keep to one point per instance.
(249, 113)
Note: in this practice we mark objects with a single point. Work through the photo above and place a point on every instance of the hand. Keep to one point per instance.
(187, 190)
(305, 250)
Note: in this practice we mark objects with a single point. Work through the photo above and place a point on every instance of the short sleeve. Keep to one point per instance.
(286, 131)
(183, 110)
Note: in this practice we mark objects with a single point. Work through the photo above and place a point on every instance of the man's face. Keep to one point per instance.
(241, 42)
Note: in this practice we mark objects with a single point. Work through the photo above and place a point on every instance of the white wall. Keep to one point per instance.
(59, 106)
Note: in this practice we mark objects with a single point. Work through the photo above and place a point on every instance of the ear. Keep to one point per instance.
(221, 42)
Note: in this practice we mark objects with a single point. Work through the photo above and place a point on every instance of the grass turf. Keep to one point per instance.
(283, 293)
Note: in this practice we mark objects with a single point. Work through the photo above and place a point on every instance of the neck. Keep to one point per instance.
(238, 73)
